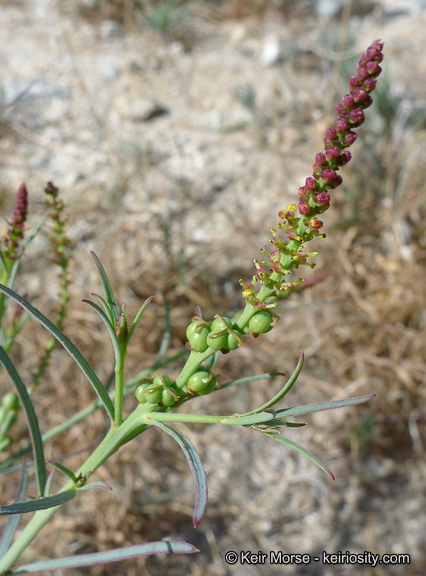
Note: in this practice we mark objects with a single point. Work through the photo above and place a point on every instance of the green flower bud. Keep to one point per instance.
(154, 394)
(140, 393)
(209, 388)
(233, 342)
(217, 340)
(197, 333)
(162, 380)
(260, 323)
(200, 380)
(11, 401)
(167, 398)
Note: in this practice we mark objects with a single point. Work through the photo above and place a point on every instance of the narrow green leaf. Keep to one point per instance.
(31, 418)
(110, 328)
(245, 420)
(64, 470)
(165, 547)
(104, 305)
(13, 521)
(322, 406)
(266, 376)
(38, 504)
(303, 451)
(93, 485)
(109, 294)
(196, 468)
(72, 350)
(139, 316)
(284, 390)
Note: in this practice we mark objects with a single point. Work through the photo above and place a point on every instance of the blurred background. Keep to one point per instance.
(176, 131)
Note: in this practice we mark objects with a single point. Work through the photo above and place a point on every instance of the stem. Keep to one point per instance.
(194, 360)
(109, 445)
(119, 386)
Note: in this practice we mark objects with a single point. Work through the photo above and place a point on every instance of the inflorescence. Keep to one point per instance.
(314, 196)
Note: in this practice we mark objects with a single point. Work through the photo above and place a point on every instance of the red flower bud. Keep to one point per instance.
(348, 101)
(315, 224)
(369, 84)
(320, 159)
(373, 68)
(348, 139)
(345, 157)
(328, 175)
(340, 109)
(366, 103)
(331, 134)
(322, 198)
(356, 117)
(333, 153)
(362, 73)
(303, 192)
(304, 207)
(342, 125)
(359, 95)
(311, 183)
(353, 82)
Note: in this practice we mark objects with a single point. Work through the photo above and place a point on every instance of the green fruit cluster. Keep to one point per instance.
(218, 335)
(159, 391)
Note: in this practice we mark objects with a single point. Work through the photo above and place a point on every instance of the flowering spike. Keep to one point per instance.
(314, 196)
(15, 232)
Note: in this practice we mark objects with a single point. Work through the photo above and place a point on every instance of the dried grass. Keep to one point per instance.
(368, 336)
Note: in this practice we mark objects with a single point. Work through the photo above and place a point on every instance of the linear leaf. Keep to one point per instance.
(165, 547)
(196, 468)
(72, 350)
(284, 390)
(104, 305)
(97, 484)
(138, 317)
(110, 328)
(13, 521)
(109, 294)
(38, 504)
(322, 406)
(246, 420)
(303, 451)
(266, 376)
(64, 470)
(31, 418)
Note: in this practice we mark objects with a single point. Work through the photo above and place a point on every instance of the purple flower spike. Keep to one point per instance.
(314, 196)
(15, 232)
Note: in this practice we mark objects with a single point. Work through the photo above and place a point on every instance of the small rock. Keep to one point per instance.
(109, 69)
(138, 109)
(271, 51)
(110, 29)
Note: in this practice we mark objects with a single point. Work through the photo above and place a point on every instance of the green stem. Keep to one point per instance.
(109, 445)
(195, 359)
(119, 386)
